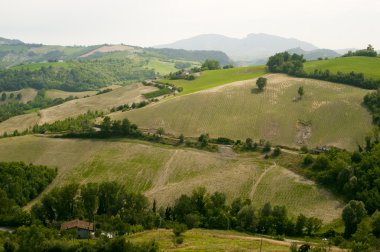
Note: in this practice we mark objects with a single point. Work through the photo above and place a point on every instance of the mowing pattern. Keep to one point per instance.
(163, 173)
(329, 113)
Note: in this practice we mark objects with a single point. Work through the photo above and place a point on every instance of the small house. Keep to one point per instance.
(83, 228)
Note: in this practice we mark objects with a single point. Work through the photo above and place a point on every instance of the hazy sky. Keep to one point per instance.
(325, 23)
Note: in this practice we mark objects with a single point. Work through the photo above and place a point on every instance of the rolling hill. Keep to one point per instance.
(324, 116)
(163, 173)
(103, 102)
(251, 48)
(369, 66)
(315, 54)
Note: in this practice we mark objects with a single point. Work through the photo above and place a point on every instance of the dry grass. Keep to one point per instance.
(28, 94)
(164, 173)
(335, 112)
(103, 102)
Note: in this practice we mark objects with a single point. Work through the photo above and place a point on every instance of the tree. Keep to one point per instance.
(89, 197)
(376, 223)
(210, 65)
(276, 152)
(261, 83)
(352, 215)
(267, 147)
(106, 125)
(246, 218)
(3, 96)
(301, 92)
(181, 139)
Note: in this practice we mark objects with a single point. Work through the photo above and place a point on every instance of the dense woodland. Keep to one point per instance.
(293, 64)
(372, 102)
(75, 76)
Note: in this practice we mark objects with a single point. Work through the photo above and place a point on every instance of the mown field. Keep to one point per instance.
(163, 173)
(102, 102)
(209, 240)
(369, 66)
(214, 78)
(328, 114)
(28, 94)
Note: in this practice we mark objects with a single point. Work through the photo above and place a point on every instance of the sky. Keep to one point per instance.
(331, 24)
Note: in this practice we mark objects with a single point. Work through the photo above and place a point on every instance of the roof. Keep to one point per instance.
(77, 224)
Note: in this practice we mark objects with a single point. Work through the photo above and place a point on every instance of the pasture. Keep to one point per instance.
(328, 114)
(163, 173)
(369, 66)
(214, 78)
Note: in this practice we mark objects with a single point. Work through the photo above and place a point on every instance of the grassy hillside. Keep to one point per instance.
(369, 66)
(163, 173)
(104, 102)
(214, 78)
(209, 240)
(329, 113)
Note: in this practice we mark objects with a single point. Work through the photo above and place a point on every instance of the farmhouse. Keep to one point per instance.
(83, 228)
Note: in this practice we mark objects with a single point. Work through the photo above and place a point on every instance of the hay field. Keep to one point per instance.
(163, 173)
(328, 114)
(103, 102)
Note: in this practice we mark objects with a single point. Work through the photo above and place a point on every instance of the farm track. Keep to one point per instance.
(254, 187)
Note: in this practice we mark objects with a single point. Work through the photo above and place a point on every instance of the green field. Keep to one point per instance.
(163, 173)
(328, 114)
(214, 78)
(369, 66)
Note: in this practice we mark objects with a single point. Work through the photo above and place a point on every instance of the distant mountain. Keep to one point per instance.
(4, 41)
(315, 54)
(254, 47)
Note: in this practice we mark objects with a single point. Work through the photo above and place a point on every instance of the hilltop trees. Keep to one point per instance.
(368, 52)
(261, 83)
(286, 63)
(210, 65)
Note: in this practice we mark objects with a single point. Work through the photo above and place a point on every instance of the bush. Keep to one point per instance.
(179, 228)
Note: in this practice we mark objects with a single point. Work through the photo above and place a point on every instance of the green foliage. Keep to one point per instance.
(22, 182)
(286, 63)
(210, 65)
(261, 83)
(353, 213)
(372, 102)
(158, 93)
(179, 229)
(79, 76)
(301, 91)
(368, 52)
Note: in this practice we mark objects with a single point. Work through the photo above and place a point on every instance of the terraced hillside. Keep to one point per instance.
(369, 66)
(103, 102)
(163, 173)
(328, 114)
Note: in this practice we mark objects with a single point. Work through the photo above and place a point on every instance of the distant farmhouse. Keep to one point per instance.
(83, 228)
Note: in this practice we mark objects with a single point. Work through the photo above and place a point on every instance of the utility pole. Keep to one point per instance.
(261, 240)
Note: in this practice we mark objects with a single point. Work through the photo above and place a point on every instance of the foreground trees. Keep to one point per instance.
(261, 83)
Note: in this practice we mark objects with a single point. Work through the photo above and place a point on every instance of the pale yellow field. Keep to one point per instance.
(55, 93)
(163, 173)
(328, 114)
(103, 102)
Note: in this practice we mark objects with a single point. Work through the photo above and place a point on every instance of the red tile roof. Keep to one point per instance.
(77, 224)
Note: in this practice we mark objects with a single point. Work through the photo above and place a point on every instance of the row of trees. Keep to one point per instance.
(11, 96)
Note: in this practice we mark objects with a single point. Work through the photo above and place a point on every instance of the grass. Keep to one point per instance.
(164, 173)
(103, 102)
(208, 240)
(214, 78)
(161, 67)
(28, 94)
(55, 93)
(369, 66)
(238, 111)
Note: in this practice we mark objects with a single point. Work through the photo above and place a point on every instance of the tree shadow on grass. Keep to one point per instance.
(256, 91)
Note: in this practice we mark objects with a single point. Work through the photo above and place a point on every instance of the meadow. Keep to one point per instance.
(369, 66)
(214, 78)
(324, 116)
(164, 173)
